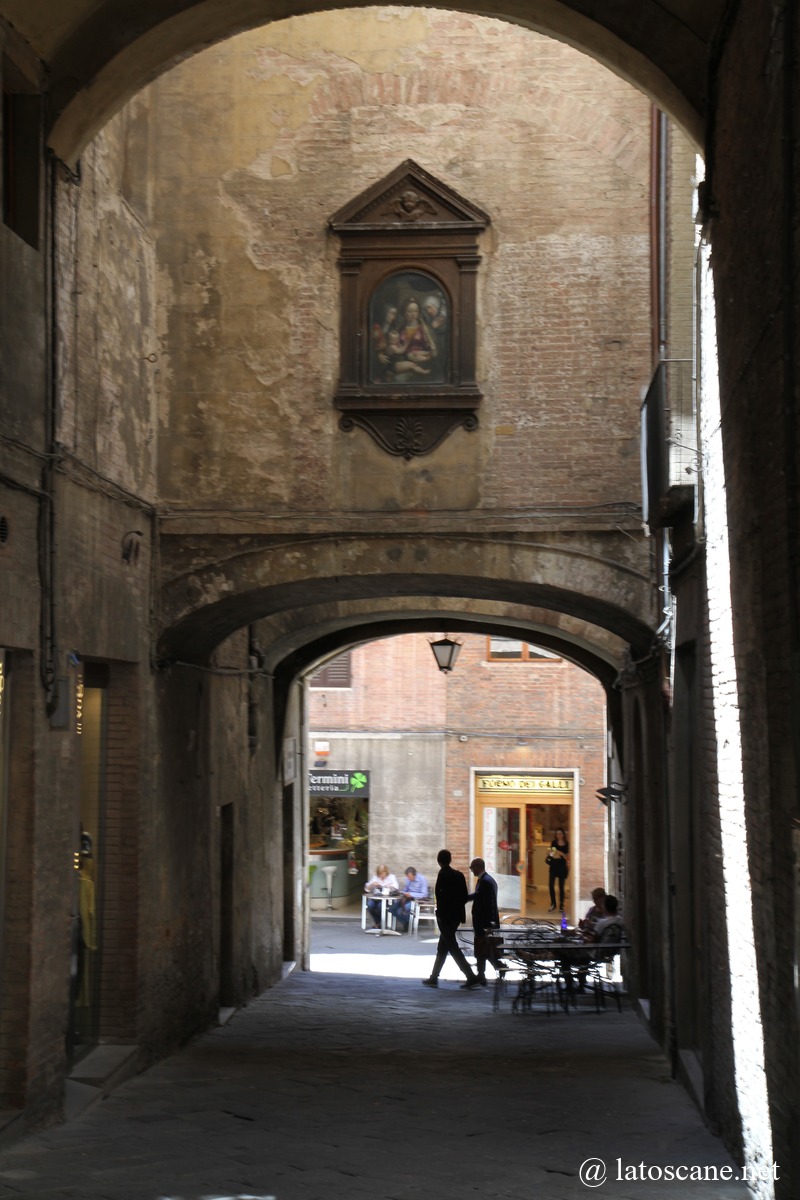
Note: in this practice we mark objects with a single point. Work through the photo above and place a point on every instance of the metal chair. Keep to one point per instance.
(523, 945)
(421, 910)
(598, 972)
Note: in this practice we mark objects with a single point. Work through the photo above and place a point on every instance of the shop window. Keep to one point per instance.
(335, 674)
(409, 261)
(503, 649)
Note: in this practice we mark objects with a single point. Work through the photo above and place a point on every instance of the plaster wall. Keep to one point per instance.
(406, 815)
(23, 373)
(78, 459)
(19, 564)
(262, 139)
(107, 365)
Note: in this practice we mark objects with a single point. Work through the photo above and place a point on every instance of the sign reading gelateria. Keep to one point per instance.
(539, 785)
(339, 783)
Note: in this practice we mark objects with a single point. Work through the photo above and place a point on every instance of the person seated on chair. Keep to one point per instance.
(608, 930)
(600, 917)
(609, 927)
(383, 883)
(414, 888)
(595, 912)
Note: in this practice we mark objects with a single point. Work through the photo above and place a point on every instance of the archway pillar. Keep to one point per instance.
(218, 839)
(641, 819)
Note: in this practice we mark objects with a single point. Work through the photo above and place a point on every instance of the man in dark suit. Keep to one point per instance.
(451, 911)
(485, 918)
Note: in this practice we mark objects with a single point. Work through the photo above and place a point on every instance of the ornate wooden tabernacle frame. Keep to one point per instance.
(407, 374)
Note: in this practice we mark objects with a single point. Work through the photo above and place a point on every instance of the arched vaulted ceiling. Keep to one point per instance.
(95, 54)
(607, 587)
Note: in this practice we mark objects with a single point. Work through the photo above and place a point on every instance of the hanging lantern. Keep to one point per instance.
(445, 651)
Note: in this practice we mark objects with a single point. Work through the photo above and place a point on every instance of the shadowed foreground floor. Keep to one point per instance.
(334, 1085)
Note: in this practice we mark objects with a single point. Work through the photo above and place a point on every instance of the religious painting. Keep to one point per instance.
(409, 264)
(410, 330)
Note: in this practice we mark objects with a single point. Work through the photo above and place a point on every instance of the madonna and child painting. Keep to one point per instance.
(409, 319)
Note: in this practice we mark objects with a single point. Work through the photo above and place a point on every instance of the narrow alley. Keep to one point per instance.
(335, 1085)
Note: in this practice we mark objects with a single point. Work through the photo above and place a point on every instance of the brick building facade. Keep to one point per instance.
(537, 717)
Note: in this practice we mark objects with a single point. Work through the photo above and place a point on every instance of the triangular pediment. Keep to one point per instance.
(408, 198)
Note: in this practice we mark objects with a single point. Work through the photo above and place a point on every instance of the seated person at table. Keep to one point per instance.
(383, 883)
(609, 927)
(606, 927)
(414, 888)
(595, 912)
(608, 930)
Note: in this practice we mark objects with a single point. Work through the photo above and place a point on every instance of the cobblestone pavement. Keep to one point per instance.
(335, 1085)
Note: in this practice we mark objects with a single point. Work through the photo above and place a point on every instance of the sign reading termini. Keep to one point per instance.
(339, 783)
(543, 784)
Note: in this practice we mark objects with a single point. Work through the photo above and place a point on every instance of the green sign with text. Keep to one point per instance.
(339, 783)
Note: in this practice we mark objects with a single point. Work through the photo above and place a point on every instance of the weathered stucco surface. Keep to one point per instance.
(261, 140)
(108, 367)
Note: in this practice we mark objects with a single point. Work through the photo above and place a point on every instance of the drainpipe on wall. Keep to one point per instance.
(48, 643)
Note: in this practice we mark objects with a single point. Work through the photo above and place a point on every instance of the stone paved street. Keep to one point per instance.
(335, 1085)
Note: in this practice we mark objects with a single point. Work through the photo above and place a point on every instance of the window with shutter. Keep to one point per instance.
(335, 674)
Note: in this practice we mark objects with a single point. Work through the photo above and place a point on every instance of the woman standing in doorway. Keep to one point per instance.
(558, 861)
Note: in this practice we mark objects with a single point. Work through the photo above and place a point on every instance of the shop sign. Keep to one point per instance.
(339, 783)
(541, 784)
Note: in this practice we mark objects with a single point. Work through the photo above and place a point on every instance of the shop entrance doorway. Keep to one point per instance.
(516, 817)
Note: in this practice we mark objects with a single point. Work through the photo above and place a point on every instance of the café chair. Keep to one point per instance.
(599, 970)
(421, 910)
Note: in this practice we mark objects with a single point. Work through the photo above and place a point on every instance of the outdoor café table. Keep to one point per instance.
(386, 899)
(547, 946)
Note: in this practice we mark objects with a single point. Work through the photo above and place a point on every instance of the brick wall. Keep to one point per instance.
(538, 715)
(118, 984)
(15, 997)
(754, 186)
(543, 715)
(395, 685)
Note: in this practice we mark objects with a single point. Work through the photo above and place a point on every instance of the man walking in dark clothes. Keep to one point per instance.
(485, 918)
(451, 911)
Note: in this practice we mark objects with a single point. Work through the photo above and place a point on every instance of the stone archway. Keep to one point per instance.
(590, 599)
(601, 579)
(98, 56)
